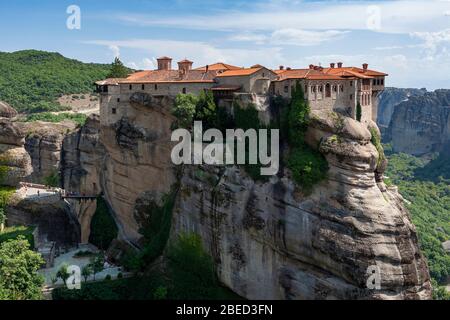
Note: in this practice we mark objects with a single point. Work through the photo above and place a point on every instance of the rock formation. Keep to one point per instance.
(44, 144)
(6, 111)
(269, 241)
(421, 124)
(15, 162)
(389, 99)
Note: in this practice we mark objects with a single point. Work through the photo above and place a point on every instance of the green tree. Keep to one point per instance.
(118, 70)
(298, 120)
(205, 110)
(63, 273)
(52, 180)
(19, 278)
(86, 272)
(97, 264)
(184, 109)
(358, 112)
(103, 227)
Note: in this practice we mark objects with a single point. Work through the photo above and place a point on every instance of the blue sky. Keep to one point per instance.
(409, 39)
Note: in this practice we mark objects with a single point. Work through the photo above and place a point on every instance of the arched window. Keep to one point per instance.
(184, 91)
(335, 88)
(328, 90)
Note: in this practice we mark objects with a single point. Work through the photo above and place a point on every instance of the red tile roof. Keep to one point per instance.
(161, 76)
(218, 66)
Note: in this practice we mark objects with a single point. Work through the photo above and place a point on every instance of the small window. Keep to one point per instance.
(335, 88)
(342, 88)
(286, 89)
(143, 87)
(156, 87)
(375, 82)
(184, 90)
(131, 87)
(264, 75)
(351, 97)
(114, 110)
(320, 89)
(382, 82)
(118, 99)
(351, 83)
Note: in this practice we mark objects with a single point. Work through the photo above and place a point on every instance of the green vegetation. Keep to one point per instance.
(429, 206)
(103, 226)
(31, 81)
(307, 165)
(13, 233)
(19, 279)
(190, 275)
(184, 109)
(78, 118)
(118, 70)
(3, 173)
(376, 141)
(52, 180)
(358, 112)
(156, 231)
(5, 196)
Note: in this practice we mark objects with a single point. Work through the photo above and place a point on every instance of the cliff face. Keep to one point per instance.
(389, 99)
(44, 144)
(421, 124)
(15, 162)
(271, 242)
(268, 240)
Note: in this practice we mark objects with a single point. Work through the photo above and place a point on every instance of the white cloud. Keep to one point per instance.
(290, 36)
(200, 52)
(303, 37)
(402, 16)
(435, 43)
(115, 50)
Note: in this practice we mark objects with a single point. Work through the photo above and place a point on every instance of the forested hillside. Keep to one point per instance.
(426, 186)
(31, 81)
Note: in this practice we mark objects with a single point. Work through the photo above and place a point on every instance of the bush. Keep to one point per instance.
(308, 167)
(103, 226)
(108, 277)
(184, 109)
(13, 233)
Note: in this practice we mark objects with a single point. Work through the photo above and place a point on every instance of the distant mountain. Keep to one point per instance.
(420, 124)
(391, 97)
(31, 81)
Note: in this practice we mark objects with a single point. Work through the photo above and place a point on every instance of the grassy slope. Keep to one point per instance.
(31, 80)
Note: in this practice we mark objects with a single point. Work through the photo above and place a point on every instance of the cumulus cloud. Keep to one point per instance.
(435, 43)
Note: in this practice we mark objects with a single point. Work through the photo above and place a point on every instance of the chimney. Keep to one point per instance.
(332, 65)
(339, 64)
(365, 66)
(184, 66)
(311, 66)
(164, 63)
(281, 67)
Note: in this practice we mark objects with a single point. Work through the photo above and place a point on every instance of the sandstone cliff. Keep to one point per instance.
(15, 162)
(271, 242)
(421, 124)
